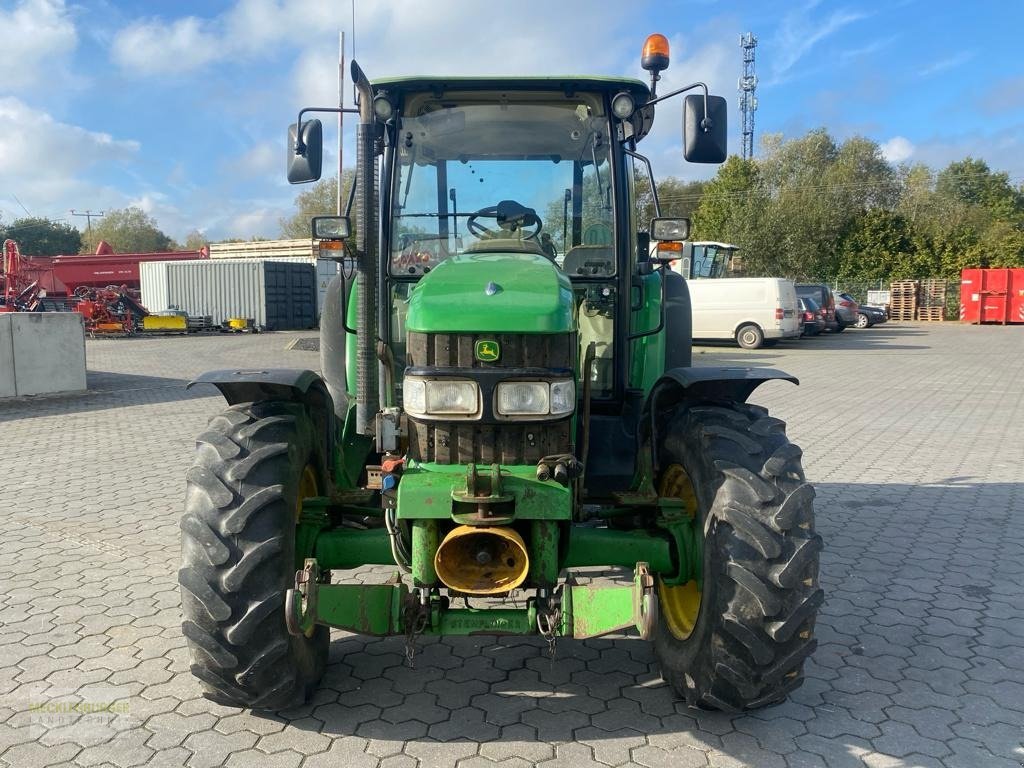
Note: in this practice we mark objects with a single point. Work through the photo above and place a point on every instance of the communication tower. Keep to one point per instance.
(748, 88)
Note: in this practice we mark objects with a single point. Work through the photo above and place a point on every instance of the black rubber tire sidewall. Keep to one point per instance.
(274, 669)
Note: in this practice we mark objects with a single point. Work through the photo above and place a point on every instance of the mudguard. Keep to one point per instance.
(288, 384)
(253, 385)
(698, 384)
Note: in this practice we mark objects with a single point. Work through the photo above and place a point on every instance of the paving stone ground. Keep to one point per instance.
(913, 434)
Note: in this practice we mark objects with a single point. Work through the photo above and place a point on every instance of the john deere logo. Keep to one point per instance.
(487, 351)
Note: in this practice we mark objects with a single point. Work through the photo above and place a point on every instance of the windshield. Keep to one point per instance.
(506, 174)
(710, 260)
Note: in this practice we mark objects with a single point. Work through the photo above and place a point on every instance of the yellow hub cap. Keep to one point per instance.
(307, 489)
(680, 605)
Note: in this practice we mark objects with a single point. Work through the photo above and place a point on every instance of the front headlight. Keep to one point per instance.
(445, 397)
(535, 398)
(523, 398)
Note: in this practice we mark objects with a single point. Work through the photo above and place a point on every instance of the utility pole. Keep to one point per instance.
(89, 216)
(747, 87)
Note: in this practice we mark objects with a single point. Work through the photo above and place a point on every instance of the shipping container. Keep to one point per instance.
(992, 296)
(277, 295)
(297, 250)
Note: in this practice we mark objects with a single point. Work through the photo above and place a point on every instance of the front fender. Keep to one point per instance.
(253, 385)
(708, 384)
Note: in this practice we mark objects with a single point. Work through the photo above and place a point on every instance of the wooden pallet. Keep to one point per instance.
(903, 300)
(931, 314)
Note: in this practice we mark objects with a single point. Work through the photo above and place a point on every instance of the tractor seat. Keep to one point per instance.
(582, 260)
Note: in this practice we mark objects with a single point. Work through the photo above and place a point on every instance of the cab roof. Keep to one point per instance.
(568, 83)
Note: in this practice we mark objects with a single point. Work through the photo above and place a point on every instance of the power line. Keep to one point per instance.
(89, 216)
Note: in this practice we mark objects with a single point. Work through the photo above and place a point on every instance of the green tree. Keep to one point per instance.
(128, 230)
(678, 198)
(972, 182)
(321, 199)
(195, 240)
(42, 237)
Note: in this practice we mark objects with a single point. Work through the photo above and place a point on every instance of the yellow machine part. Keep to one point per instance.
(482, 560)
(164, 323)
(238, 323)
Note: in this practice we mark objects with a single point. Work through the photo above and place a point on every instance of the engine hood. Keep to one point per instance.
(492, 293)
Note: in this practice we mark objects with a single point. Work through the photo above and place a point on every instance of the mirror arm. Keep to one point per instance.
(650, 175)
(300, 145)
(706, 123)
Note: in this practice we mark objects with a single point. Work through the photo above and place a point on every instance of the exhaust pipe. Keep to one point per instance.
(367, 374)
(482, 560)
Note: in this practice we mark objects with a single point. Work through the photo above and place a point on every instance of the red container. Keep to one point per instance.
(992, 296)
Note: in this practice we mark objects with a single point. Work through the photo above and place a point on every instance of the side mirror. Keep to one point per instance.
(331, 228)
(305, 152)
(705, 136)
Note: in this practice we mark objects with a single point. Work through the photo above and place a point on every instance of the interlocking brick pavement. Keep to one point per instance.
(913, 435)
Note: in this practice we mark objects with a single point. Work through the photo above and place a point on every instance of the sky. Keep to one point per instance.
(181, 108)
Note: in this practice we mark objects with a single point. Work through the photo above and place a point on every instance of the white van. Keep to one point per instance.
(748, 310)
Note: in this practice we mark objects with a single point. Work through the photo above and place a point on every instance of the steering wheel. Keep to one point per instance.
(510, 216)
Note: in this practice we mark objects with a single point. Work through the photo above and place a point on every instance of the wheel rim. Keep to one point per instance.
(679, 605)
(307, 489)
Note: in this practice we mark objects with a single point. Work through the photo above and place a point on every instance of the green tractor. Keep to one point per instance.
(507, 404)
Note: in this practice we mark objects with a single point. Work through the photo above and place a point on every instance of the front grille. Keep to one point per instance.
(487, 443)
(455, 350)
(465, 442)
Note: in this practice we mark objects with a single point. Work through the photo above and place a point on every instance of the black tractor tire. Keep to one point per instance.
(759, 594)
(238, 556)
(750, 336)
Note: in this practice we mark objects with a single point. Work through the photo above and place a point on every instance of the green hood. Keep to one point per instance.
(529, 295)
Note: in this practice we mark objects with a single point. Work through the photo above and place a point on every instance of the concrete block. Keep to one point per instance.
(7, 388)
(49, 352)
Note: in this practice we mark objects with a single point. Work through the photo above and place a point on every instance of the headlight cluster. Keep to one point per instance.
(446, 397)
(462, 398)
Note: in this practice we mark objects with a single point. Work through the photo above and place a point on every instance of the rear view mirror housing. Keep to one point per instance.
(305, 152)
(705, 136)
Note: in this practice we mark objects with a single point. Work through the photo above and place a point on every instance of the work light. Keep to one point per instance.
(623, 105)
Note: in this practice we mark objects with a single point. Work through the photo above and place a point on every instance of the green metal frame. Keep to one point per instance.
(383, 609)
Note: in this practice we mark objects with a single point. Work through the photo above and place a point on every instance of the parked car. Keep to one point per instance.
(812, 317)
(868, 316)
(846, 308)
(822, 294)
(750, 310)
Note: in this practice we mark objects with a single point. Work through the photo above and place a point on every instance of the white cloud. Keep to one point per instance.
(48, 159)
(35, 146)
(261, 159)
(950, 62)
(446, 33)
(38, 37)
(798, 33)
(153, 47)
(897, 149)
